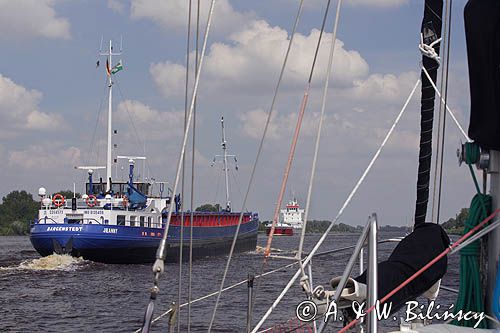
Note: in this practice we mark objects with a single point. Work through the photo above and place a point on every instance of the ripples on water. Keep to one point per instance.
(64, 294)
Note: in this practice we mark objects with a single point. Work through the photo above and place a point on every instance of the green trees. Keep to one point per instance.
(68, 194)
(209, 208)
(16, 210)
(456, 225)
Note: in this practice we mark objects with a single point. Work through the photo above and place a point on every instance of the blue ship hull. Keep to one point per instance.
(124, 244)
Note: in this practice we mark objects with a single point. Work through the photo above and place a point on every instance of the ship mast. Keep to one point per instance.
(109, 64)
(225, 163)
(224, 154)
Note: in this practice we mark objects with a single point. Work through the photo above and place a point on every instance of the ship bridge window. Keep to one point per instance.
(120, 220)
(143, 187)
(149, 222)
(96, 187)
(132, 221)
(141, 221)
(119, 188)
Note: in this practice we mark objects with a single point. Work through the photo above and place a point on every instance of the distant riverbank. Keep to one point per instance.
(320, 226)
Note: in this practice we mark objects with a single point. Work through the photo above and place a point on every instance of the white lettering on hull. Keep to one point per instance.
(64, 228)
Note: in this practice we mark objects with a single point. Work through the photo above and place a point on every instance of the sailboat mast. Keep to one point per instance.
(224, 161)
(109, 65)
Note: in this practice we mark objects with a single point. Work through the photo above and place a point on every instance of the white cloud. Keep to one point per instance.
(116, 5)
(280, 126)
(378, 3)
(173, 14)
(169, 77)
(19, 110)
(45, 156)
(246, 61)
(365, 3)
(157, 124)
(31, 18)
(382, 88)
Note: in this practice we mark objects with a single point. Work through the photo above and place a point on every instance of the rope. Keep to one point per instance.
(423, 269)
(259, 151)
(470, 296)
(428, 50)
(318, 137)
(459, 126)
(341, 211)
(159, 265)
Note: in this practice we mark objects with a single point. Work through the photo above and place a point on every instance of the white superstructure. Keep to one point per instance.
(293, 214)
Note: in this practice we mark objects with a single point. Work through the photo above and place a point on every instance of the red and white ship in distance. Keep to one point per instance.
(292, 219)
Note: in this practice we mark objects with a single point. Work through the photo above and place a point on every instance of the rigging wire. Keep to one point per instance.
(297, 131)
(293, 145)
(159, 265)
(341, 211)
(199, 299)
(448, 45)
(291, 153)
(438, 165)
(186, 105)
(259, 151)
(217, 186)
(191, 217)
(92, 141)
(235, 180)
(140, 142)
(452, 115)
(318, 136)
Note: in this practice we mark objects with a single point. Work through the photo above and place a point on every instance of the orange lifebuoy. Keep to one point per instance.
(91, 200)
(125, 201)
(58, 200)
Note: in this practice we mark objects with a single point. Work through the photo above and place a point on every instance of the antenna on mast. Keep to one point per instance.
(100, 45)
(223, 158)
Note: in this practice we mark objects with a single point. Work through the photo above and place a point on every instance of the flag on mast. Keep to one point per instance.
(118, 67)
(107, 68)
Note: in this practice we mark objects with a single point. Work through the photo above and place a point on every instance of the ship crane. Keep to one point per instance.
(224, 159)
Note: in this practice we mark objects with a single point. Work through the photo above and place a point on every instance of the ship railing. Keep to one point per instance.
(113, 203)
(46, 219)
(369, 236)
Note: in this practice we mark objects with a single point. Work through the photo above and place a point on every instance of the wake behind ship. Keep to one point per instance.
(124, 222)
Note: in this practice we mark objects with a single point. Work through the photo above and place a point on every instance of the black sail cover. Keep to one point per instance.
(417, 249)
(431, 31)
(482, 31)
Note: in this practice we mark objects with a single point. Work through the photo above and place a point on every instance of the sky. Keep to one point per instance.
(53, 99)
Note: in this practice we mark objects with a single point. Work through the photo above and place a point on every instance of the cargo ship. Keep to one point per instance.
(291, 220)
(124, 221)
